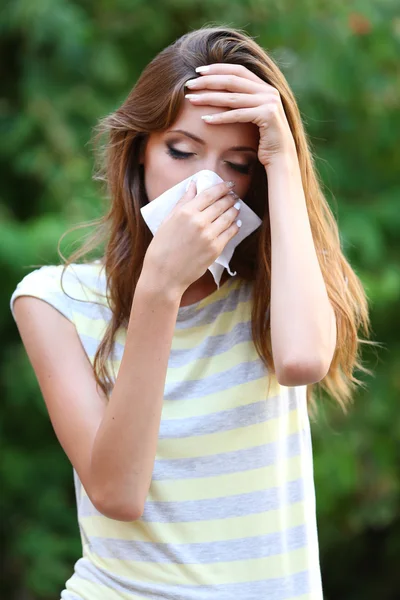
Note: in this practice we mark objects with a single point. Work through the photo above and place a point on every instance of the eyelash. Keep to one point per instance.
(177, 154)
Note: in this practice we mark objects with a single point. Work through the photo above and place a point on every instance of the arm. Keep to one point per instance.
(125, 445)
(303, 325)
(111, 444)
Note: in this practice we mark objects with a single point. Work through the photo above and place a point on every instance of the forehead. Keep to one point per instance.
(216, 135)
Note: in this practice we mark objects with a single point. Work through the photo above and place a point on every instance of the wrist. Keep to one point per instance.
(154, 283)
(283, 160)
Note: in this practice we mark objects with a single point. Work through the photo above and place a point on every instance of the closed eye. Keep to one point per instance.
(179, 155)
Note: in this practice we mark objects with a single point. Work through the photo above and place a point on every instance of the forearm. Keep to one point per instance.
(303, 328)
(125, 446)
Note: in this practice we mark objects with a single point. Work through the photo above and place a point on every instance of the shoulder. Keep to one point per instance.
(62, 286)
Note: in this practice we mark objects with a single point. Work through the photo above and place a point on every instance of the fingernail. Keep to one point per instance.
(230, 184)
(202, 69)
(237, 205)
(239, 223)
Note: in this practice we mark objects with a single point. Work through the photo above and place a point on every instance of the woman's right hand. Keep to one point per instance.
(193, 235)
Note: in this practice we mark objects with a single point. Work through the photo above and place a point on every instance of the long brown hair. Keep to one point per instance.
(152, 107)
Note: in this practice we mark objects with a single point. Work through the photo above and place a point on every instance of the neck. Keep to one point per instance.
(202, 287)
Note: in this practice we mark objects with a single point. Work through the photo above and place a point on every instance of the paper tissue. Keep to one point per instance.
(156, 211)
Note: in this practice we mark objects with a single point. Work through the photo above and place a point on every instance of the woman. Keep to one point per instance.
(182, 407)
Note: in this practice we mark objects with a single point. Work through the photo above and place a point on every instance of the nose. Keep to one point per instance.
(212, 164)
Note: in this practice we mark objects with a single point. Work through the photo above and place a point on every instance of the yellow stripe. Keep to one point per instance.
(241, 394)
(198, 531)
(95, 328)
(206, 366)
(235, 571)
(90, 326)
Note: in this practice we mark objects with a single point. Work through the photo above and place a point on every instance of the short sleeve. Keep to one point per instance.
(44, 283)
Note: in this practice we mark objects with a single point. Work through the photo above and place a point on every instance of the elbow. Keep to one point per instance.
(116, 510)
(299, 372)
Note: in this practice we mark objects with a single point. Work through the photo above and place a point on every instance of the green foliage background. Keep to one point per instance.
(66, 63)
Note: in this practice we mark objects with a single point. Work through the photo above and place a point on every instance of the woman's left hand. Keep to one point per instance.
(250, 99)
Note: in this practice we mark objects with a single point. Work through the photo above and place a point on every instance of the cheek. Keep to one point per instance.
(159, 173)
(156, 161)
(243, 184)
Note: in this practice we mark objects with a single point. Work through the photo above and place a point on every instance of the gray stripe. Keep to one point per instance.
(89, 343)
(218, 382)
(238, 505)
(77, 485)
(250, 548)
(78, 496)
(212, 345)
(272, 589)
(225, 420)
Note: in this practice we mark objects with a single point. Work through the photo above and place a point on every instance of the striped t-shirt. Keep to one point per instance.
(230, 512)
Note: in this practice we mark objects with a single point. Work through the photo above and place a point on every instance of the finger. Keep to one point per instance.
(207, 197)
(231, 83)
(230, 99)
(238, 70)
(190, 192)
(240, 115)
(223, 222)
(225, 68)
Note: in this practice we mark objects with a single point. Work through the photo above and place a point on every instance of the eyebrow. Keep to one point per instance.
(200, 141)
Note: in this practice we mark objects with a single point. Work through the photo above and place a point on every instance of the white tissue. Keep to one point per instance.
(156, 211)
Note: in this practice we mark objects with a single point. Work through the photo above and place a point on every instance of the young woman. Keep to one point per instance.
(181, 406)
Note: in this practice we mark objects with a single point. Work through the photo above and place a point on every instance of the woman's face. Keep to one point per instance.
(171, 156)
